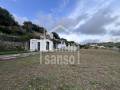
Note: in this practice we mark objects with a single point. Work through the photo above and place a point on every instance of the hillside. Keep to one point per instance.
(9, 26)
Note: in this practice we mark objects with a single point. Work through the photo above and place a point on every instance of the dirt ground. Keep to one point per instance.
(98, 70)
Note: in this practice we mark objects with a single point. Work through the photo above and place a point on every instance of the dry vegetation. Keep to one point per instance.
(98, 70)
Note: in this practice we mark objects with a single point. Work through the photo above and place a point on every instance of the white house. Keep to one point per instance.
(69, 47)
(62, 45)
(41, 45)
(72, 48)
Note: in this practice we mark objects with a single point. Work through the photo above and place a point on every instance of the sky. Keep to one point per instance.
(78, 20)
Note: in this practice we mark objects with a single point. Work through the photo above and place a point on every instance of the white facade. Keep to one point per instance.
(62, 45)
(41, 45)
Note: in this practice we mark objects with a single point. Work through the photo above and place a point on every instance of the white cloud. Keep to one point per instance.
(88, 13)
(19, 19)
(114, 27)
(44, 20)
(84, 8)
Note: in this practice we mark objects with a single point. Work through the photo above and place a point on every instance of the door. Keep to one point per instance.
(47, 46)
(38, 46)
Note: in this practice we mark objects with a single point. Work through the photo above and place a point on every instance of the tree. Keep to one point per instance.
(27, 25)
(6, 19)
(55, 35)
(30, 27)
(65, 40)
(28, 30)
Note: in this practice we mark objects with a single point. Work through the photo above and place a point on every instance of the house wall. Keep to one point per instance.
(34, 45)
(69, 48)
(60, 46)
(72, 48)
(43, 44)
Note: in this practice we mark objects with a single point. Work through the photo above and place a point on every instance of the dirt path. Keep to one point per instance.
(15, 56)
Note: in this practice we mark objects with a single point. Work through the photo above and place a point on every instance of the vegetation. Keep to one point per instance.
(55, 35)
(105, 44)
(11, 52)
(84, 46)
(25, 32)
(6, 19)
(98, 70)
(11, 32)
(11, 27)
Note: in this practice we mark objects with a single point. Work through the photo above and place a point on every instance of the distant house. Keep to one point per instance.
(101, 47)
(41, 45)
(70, 46)
(95, 46)
(62, 45)
(73, 46)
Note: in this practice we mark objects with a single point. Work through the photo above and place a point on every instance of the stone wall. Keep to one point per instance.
(10, 42)
(10, 45)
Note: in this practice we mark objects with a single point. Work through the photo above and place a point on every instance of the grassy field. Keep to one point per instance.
(98, 70)
(11, 52)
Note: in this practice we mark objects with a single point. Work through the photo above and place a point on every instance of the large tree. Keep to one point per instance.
(30, 27)
(6, 18)
(55, 35)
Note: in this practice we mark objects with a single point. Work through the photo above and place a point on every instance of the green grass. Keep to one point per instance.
(13, 66)
(98, 70)
(42, 83)
(11, 52)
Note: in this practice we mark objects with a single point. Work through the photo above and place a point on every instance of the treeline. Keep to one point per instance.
(108, 45)
(8, 26)
(11, 29)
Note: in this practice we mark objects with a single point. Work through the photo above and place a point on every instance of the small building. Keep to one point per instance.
(70, 46)
(101, 47)
(41, 45)
(62, 45)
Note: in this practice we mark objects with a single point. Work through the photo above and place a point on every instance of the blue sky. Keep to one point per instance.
(30, 8)
(86, 20)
